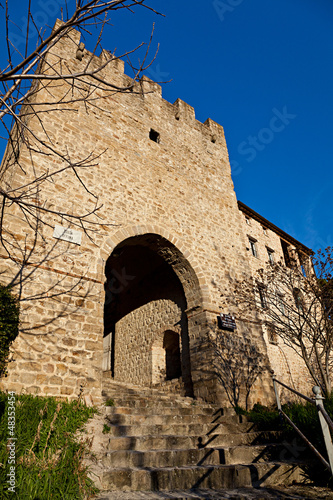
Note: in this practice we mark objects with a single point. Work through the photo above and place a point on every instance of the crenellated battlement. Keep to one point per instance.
(114, 72)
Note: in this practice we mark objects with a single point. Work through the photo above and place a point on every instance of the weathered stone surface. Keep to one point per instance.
(209, 450)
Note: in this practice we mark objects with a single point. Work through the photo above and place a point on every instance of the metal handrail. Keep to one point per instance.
(294, 391)
(324, 419)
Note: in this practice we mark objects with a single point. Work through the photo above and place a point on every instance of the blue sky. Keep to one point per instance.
(262, 69)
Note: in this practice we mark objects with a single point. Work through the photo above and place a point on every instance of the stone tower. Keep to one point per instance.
(170, 238)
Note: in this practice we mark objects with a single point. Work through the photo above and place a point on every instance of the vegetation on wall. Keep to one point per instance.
(48, 456)
(9, 322)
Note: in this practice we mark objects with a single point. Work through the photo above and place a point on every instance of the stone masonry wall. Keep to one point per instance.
(136, 335)
(287, 365)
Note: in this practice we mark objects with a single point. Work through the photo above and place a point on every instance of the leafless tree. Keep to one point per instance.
(295, 304)
(28, 97)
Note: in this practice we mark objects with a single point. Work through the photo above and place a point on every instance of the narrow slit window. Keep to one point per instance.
(280, 303)
(253, 247)
(154, 136)
(286, 254)
(298, 299)
(262, 296)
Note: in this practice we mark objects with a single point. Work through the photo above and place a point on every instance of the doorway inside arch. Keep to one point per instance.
(173, 368)
(166, 357)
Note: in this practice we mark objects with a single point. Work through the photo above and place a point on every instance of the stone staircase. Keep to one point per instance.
(158, 443)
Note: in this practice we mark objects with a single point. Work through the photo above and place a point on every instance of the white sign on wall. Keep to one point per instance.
(66, 234)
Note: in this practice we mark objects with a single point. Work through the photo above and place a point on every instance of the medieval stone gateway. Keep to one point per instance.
(137, 298)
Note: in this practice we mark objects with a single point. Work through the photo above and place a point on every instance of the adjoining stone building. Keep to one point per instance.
(170, 229)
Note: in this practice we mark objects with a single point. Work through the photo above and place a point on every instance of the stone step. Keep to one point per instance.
(120, 392)
(247, 438)
(130, 418)
(143, 402)
(167, 410)
(203, 430)
(168, 478)
(163, 458)
(160, 442)
(282, 493)
(192, 477)
(245, 454)
(156, 430)
(185, 457)
(265, 474)
(179, 429)
(119, 389)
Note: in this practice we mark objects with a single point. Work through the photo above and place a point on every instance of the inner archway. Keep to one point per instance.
(149, 285)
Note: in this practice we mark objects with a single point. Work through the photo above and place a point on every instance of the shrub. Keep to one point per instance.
(9, 323)
(305, 417)
(265, 418)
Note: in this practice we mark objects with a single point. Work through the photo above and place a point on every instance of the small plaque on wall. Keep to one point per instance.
(226, 322)
(66, 234)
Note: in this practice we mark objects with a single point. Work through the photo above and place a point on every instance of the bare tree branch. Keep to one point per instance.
(36, 84)
(297, 308)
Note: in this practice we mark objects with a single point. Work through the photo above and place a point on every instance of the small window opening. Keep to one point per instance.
(280, 302)
(272, 335)
(247, 220)
(286, 254)
(264, 229)
(262, 295)
(154, 136)
(303, 263)
(253, 247)
(298, 299)
(270, 255)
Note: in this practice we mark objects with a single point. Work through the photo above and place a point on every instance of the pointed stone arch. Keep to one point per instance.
(185, 257)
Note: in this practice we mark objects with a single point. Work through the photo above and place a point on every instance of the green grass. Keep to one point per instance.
(48, 457)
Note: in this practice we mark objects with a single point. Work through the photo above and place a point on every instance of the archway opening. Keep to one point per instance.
(149, 285)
